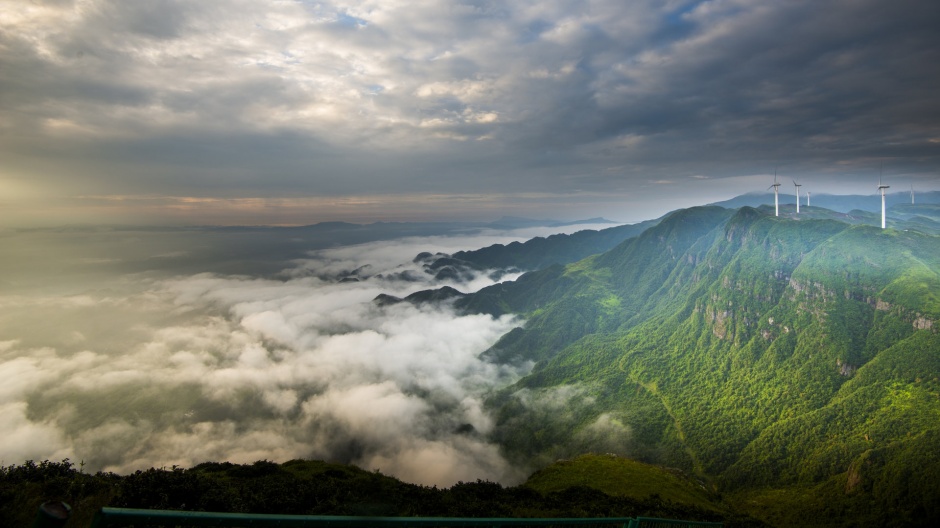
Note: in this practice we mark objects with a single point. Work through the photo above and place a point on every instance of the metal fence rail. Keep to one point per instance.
(121, 517)
(652, 522)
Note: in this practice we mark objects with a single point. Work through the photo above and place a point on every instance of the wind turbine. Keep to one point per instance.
(808, 194)
(882, 187)
(912, 194)
(776, 187)
(797, 185)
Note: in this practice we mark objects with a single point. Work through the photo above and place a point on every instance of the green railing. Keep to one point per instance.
(121, 517)
(114, 517)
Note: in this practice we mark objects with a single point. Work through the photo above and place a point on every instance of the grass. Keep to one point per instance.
(623, 477)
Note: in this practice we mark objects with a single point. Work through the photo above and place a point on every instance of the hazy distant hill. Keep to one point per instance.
(516, 222)
(792, 363)
(836, 202)
(33, 257)
(541, 252)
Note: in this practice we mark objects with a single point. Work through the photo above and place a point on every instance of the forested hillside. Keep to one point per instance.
(777, 359)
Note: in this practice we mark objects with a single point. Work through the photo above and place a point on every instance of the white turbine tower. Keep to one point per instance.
(912, 194)
(797, 185)
(882, 187)
(775, 187)
(808, 194)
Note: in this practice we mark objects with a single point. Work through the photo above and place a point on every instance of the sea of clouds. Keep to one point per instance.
(143, 370)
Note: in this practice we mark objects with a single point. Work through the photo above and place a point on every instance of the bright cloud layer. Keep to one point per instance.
(160, 371)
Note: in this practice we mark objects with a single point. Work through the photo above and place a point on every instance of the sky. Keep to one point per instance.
(295, 112)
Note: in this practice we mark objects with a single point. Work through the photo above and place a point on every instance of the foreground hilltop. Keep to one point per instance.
(589, 486)
(774, 358)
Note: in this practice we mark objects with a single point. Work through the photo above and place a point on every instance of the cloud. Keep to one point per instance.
(222, 367)
(176, 99)
(26, 438)
(559, 422)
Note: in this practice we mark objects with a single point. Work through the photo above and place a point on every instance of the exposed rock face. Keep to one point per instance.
(854, 478)
(719, 317)
(846, 369)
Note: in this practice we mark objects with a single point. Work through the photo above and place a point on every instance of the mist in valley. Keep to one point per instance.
(120, 355)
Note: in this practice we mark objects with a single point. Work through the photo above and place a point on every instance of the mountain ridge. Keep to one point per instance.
(796, 330)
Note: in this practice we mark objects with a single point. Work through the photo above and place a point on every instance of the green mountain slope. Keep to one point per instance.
(759, 353)
(623, 477)
(564, 304)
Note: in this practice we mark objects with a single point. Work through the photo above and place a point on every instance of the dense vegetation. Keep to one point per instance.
(771, 357)
(303, 487)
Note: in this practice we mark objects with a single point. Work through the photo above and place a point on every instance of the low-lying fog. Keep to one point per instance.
(115, 352)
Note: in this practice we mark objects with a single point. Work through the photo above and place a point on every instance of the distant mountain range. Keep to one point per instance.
(835, 202)
(541, 252)
(516, 222)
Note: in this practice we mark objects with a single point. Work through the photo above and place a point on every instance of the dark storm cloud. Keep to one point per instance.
(785, 80)
(270, 99)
